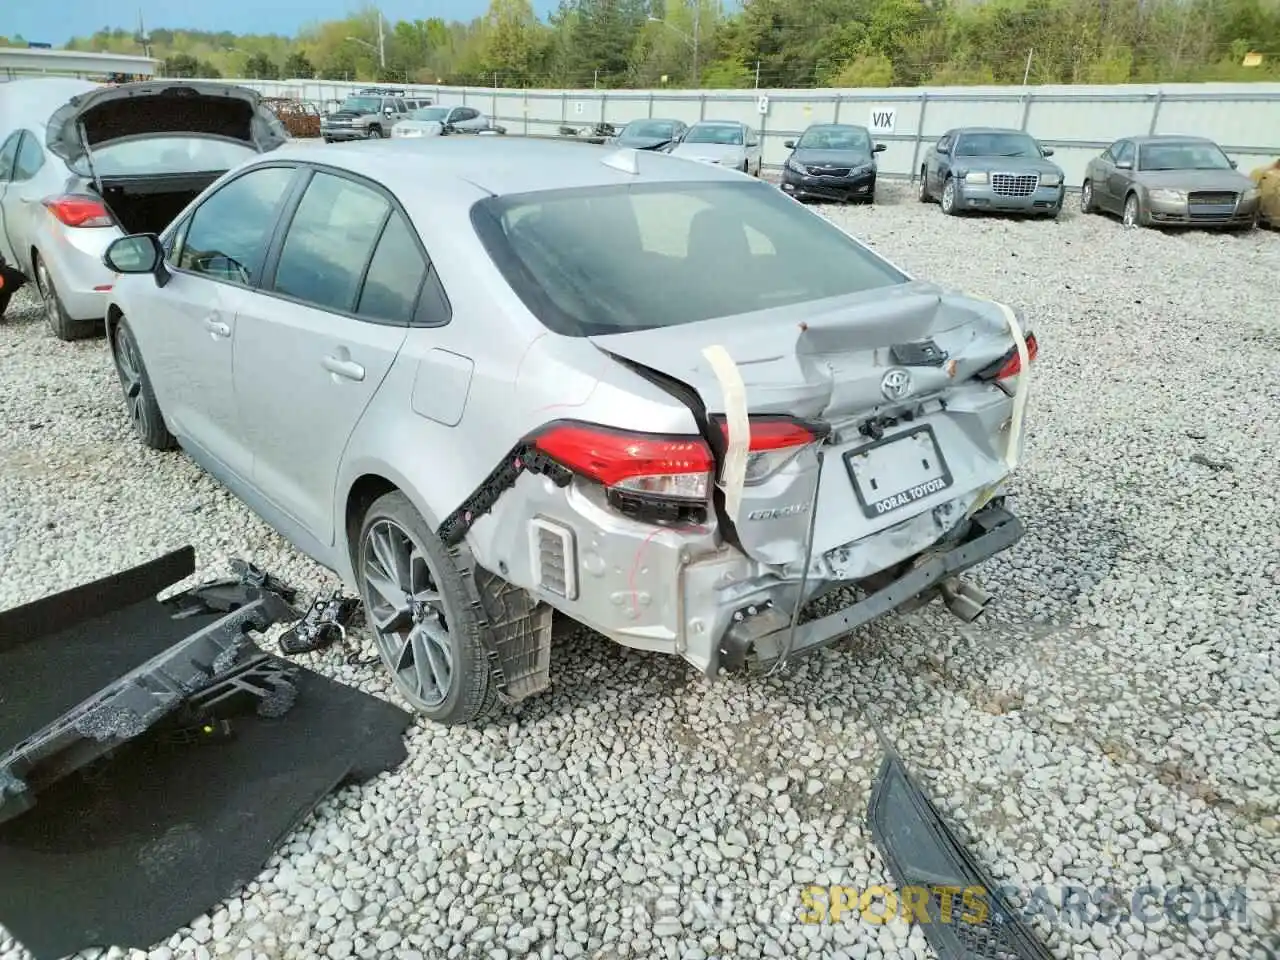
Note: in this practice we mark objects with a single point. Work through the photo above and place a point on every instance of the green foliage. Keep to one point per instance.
(785, 43)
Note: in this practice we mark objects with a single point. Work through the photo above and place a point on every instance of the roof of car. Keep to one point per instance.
(1149, 138)
(34, 99)
(959, 130)
(719, 123)
(499, 165)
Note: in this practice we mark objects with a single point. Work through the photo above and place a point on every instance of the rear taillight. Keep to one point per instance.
(775, 440)
(1010, 365)
(79, 210)
(658, 476)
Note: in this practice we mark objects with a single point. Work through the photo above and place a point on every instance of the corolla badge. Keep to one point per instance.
(896, 384)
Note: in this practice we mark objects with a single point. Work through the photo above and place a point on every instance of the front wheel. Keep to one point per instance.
(1132, 211)
(949, 198)
(416, 603)
(139, 399)
(375, 133)
(1087, 204)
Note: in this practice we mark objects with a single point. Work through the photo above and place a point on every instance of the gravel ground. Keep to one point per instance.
(1113, 722)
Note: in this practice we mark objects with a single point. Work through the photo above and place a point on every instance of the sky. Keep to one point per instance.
(59, 21)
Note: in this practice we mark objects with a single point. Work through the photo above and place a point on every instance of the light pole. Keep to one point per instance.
(380, 49)
(693, 41)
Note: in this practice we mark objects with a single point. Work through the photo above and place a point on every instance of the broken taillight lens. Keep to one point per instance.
(644, 465)
(1010, 365)
(79, 210)
(775, 440)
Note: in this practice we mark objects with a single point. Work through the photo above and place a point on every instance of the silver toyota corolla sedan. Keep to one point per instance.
(487, 384)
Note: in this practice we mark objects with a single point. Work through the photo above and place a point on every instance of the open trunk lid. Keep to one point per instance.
(909, 353)
(162, 108)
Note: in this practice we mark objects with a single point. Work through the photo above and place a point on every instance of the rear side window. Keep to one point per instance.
(30, 158)
(602, 260)
(391, 286)
(228, 234)
(329, 242)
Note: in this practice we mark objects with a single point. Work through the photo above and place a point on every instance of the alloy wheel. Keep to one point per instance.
(1131, 211)
(922, 192)
(407, 614)
(948, 196)
(129, 369)
(1086, 198)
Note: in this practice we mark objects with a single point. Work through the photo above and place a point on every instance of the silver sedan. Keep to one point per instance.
(484, 384)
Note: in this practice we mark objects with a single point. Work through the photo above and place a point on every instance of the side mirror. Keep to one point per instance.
(1124, 164)
(387, 111)
(136, 253)
(790, 144)
(1234, 164)
(879, 148)
(1047, 151)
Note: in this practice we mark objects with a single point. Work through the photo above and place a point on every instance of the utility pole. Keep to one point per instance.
(757, 74)
(1026, 74)
(382, 47)
(142, 36)
(697, 17)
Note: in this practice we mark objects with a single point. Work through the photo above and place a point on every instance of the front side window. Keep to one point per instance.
(30, 158)
(723, 134)
(1124, 152)
(329, 242)
(602, 260)
(228, 234)
(1191, 155)
(997, 145)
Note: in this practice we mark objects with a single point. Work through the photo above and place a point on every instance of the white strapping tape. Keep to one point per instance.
(1024, 383)
(734, 393)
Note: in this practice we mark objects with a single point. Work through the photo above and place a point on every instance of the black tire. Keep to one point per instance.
(139, 399)
(56, 318)
(328, 139)
(375, 133)
(471, 692)
(922, 189)
(1136, 218)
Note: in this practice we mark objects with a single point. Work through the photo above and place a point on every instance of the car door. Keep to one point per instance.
(8, 154)
(1119, 174)
(186, 329)
(313, 346)
(938, 162)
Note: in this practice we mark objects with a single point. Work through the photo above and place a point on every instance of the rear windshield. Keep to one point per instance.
(155, 156)
(600, 260)
(706, 133)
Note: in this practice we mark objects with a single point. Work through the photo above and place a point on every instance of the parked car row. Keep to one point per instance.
(372, 347)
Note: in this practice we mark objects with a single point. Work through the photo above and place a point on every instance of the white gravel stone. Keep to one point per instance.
(1113, 720)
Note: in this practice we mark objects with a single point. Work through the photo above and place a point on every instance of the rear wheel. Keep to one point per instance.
(59, 322)
(922, 189)
(418, 610)
(139, 399)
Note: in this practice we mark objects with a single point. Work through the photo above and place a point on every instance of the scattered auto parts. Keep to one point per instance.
(324, 622)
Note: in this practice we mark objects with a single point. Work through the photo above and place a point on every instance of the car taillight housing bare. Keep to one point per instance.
(655, 477)
(1010, 365)
(775, 441)
(79, 210)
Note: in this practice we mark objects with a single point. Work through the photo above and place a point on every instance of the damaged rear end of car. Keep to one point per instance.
(844, 426)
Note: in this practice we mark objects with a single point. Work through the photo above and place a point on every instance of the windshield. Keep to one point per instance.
(649, 130)
(600, 260)
(430, 113)
(1182, 156)
(714, 133)
(361, 104)
(835, 138)
(154, 156)
(997, 145)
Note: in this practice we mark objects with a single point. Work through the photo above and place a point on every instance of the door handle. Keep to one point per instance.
(217, 327)
(347, 369)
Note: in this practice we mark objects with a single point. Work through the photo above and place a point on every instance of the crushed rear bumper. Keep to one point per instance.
(760, 639)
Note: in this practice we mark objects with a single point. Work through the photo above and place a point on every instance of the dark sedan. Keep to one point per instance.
(832, 161)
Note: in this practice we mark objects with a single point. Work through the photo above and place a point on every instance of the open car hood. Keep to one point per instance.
(163, 108)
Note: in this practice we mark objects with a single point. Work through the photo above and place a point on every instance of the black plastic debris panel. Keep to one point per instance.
(922, 853)
(152, 756)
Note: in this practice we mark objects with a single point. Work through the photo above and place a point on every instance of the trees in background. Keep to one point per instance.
(775, 43)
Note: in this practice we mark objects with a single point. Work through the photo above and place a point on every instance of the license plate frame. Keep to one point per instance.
(874, 508)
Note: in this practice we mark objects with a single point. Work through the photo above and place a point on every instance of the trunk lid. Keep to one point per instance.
(843, 363)
(158, 108)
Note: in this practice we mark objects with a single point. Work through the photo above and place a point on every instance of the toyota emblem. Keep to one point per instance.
(896, 384)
